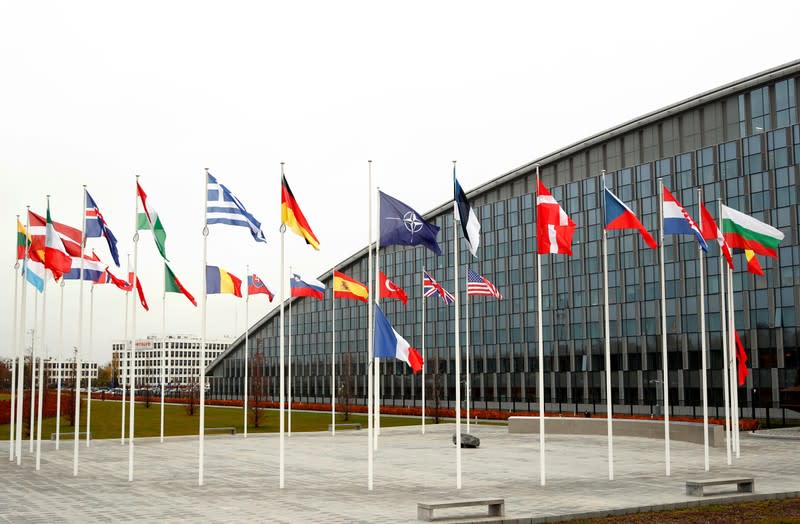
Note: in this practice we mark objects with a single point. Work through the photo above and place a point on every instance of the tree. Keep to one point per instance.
(259, 386)
(436, 388)
(190, 397)
(104, 375)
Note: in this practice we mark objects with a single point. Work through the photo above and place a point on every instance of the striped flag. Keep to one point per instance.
(677, 220)
(466, 215)
(149, 219)
(257, 286)
(480, 286)
(431, 287)
(745, 232)
(224, 208)
(711, 232)
(23, 240)
(293, 217)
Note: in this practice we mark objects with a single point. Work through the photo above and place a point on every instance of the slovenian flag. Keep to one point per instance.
(619, 216)
(220, 281)
(678, 222)
(389, 343)
(307, 287)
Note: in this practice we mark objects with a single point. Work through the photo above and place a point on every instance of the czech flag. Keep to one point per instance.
(307, 287)
(389, 343)
(220, 281)
(620, 216)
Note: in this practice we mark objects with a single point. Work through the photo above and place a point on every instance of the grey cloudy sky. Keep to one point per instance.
(95, 92)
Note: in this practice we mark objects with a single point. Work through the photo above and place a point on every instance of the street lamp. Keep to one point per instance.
(656, 382)
(753, 403)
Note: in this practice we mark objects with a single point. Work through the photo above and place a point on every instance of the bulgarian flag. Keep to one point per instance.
(173, 285)
(149, 219)
(745, 232)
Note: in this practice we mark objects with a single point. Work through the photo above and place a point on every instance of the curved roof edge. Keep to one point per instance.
(603, 136)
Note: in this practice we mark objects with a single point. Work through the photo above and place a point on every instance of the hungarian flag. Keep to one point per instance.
(741, 360)
(149, 219)
(293, 217)
(23, 240)
(391, 290)
(173, 285)
(554, 228)
(745, 232)
(753, 265)
(56, 258)
(349, 288)
(711, 231)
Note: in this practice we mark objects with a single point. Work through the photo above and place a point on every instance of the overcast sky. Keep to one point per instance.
(97, 92)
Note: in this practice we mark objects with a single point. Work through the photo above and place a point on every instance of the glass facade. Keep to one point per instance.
(739, 146)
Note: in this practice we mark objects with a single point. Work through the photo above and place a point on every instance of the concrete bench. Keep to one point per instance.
(695, 487)
(227, 429)
(353, 425)
(70, 434)
(425, 509)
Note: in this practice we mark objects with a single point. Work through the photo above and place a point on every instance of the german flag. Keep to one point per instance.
(346, 287)
(293, 217)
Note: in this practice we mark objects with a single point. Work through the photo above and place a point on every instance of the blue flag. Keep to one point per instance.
(401, 225)
(225, 208)
(96, 227)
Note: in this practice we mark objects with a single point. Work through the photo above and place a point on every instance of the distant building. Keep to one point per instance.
(67, 367)
(181, 359)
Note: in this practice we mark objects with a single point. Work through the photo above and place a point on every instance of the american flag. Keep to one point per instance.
(477, 285)
(431, 287)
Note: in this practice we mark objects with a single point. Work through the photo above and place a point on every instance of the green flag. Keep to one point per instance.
(173, 285)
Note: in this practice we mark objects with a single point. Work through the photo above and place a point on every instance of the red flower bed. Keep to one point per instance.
(48, 407)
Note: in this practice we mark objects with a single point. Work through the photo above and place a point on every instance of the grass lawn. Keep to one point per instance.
(106, 418)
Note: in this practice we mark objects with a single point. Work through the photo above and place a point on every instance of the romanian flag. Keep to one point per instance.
(220, 281)
(23, 240)
(346, 287)
(293, 217)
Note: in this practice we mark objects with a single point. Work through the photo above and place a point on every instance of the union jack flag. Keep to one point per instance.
(431, 287)
(96, 226)
(478, 285)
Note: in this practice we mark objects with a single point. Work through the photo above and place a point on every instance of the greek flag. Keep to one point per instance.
(224, 208)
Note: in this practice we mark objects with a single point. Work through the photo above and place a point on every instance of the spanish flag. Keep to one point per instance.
(293, 217)
(220, 281)
(346, 287)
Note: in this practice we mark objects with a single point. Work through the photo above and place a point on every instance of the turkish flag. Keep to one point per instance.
(391, 290)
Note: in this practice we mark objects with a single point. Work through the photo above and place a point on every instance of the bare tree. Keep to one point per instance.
(436, 388)
(259, 386)
(346, 391)
(190, 398)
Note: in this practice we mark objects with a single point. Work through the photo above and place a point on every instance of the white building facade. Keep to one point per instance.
(67, 367)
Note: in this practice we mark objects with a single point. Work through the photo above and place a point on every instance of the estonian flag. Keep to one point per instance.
(467, 217)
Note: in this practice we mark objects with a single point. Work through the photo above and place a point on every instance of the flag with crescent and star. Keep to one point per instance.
(401, 225)
(391, 290)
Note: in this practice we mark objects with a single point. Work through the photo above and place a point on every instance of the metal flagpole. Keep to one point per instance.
(60, 366)
(370, 341)
(163, 348)
(21, 346)
(704, 357)
(246, 391)
(468, 384)
(33, 365)
(79, 348)
(281, 386)
(202, 379)
(540, 343)
(458, 347)
(12, 419)
(132, 357)
(376, 391)
(609, 404)
(725, 348)
(289, 371)
(89, 372)
(424, 357)
(41, 370)
(125, 355)
(733, 368)
(333, 354)
(663, 328)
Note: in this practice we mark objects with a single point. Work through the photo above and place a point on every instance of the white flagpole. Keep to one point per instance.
(468, 384)
(41, 370)
(704, 357)
(376, 391)
(79, 348)
(12, 418)
(424, 357)
(289, 372)
(202, 380)
(609, 403)
(163, 349)
(125, 354)
(333, 355)
(35, 332)
(21, 348)
(458, 347)
(663, 328)
(540, 343)
(725, 348)
(246, 348)
(370, 341)
(282, 391)
(89, 372)
(132, 358)
(60, 366)
(733, 367)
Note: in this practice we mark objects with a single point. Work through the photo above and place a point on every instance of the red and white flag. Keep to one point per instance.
(554, 228)
(391, 290)
(712, 232)
(56, 258)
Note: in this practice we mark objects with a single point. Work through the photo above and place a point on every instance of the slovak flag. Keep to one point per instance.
(255, 285)
(554, 228)
(620, 216)
(389, 343)
(391, 290)
(678, 222)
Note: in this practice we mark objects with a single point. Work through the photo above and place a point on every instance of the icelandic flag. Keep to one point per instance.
(399, 224)
(307, 287)
(96, 227)
(620, 216)
(224, 208)
(389, 343)
(678, 222)
(467, 217)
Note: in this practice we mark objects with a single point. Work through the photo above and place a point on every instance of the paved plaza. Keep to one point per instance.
(326, 477)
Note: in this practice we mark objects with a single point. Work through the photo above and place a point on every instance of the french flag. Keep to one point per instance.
(620, 216)
(678, 222)
(307, 287)
(389, 343)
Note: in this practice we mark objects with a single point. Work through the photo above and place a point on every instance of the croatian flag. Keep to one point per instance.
(307, 287)
(620, 216)
(678, 222)
(389, 343)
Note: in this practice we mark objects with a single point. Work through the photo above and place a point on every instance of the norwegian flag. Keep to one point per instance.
(431, 287)
(554, 228)
(480, 286)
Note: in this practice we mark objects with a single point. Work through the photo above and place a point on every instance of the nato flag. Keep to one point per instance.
(402, 225)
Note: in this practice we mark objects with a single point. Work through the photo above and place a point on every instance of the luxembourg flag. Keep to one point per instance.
(389, 343)
(620, 216)
(678, 222)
